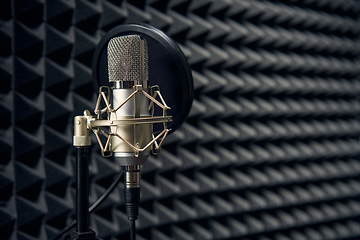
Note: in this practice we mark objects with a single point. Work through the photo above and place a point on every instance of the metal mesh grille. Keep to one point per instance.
(124, 59)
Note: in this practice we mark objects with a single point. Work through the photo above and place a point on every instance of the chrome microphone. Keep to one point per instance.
(127, 69)
(128, 72)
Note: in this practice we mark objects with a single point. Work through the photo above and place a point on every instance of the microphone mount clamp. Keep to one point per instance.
(96, 122)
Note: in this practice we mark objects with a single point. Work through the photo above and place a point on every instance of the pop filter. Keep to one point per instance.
(168, 68)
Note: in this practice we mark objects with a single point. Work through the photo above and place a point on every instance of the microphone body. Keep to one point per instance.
(128, 68)
(128, 78)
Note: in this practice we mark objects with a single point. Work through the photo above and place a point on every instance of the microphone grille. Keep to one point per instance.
(127, 59)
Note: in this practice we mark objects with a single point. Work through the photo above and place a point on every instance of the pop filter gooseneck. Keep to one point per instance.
(168, 68)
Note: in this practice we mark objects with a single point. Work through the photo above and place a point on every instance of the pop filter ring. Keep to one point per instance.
(175, 82)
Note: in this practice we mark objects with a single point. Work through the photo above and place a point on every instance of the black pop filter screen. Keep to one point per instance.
(168, 69)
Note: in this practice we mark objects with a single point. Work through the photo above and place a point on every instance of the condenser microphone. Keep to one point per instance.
(128, 71)
(128, 79)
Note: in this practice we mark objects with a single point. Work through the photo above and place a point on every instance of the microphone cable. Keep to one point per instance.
(93, 206)
(132, 230)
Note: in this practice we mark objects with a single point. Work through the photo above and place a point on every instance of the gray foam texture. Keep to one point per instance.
(270, 149)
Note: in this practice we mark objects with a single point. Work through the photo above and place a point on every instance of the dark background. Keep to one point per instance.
(270, 149)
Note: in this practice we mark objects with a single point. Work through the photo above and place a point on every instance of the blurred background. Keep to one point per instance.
(270, 149)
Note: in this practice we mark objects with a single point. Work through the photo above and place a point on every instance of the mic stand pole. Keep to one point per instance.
(82, 142)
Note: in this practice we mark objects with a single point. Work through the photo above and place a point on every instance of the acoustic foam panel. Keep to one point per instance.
(270, 149)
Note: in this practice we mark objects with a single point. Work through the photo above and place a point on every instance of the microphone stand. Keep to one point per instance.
(82, 142)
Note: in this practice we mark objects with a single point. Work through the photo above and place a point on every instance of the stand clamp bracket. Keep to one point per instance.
(81, 132)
